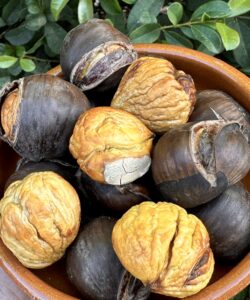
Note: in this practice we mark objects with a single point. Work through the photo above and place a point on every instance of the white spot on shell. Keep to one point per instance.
(126, 170)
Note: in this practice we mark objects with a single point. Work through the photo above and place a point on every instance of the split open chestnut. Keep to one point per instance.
(95, 54)
(195, 162)
(38, 114)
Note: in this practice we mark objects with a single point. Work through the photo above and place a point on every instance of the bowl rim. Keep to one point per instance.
(225, 287)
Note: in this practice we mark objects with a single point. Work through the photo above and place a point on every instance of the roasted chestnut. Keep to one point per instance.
(215, 105)
(39, 218)
(155, 92)
(111, 145)
(227, 219)
(195, 162)
(95, 53)
(38, 114)
(164, 247)
(116, 198)
(94, 268)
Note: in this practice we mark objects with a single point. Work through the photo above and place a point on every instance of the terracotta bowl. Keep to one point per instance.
(228, 279)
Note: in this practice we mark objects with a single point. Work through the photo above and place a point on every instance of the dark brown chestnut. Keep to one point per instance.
(214, 105)
(92, 52)
(38, 114)
(227, 219)
(195, 162)
(93, 267)
(117, 198)
(25, 167)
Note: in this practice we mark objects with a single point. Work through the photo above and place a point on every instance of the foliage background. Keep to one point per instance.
(32, 31)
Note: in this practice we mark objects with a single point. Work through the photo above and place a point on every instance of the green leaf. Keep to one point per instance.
(175, 12)
(230, 37)
(37, 44)
(20, 51)
(239, 7)
(175, 38)
(242, 52)
(33, 6)
(208, 37)
(85, 10)
(188, 32)
(15, 70)
(147, 18)
(213, 9)
(13, 12)
(147, 33)
(19, 35)
(56, 6)
(141, 6)
(35, 22)
(204, 49)
(111, 7)
(118, 21)
(6, 49)
(54, 35)
(3, 80)
(27, 64)
(7, 61)
(129, 1)
(2, 23)
(246, 70)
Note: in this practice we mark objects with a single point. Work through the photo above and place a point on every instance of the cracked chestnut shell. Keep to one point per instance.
(39, 218)
(195, 162)
(38, 114)
(95, 54)
(111, 146)
(227, 219)
(164, 247)
(216, 105)
(93, 267)
(155, 92)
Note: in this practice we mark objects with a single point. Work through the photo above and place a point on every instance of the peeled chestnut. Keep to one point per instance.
(214, 105)
(227, 219)
(95, 54)
(156, 93)
(39, 218)
(164, 247)
(111, 145)
(195, 162)
(38, 114)
(93, 267)
(117, 198)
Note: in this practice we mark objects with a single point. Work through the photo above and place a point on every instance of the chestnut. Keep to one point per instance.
(164, 247)
(195, 162)
(25, 167)
(38, 114)
(111, 145)
(115, 198)
(95, 54)
(93, 267)
(227, 219)
(214, 105)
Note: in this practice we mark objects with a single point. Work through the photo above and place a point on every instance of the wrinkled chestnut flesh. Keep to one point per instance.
(194, 163)
(217, 105)
(164, 247)
(97, 65)
(227, 219)
(38, 113)
(93, 267)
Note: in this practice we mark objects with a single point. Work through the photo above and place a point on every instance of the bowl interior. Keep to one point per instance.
(228, 279)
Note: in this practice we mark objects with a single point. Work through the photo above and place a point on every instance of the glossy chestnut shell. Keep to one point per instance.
(194, 163)
(92, 52)
(45, 109)
(227, 219)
